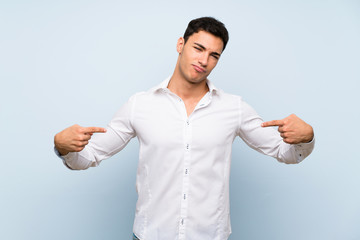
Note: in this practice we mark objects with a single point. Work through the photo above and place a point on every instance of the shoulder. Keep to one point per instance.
(146, 97)
(227, 97)
(234, 102)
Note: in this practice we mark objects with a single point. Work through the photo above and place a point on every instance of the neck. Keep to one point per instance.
(186, 89)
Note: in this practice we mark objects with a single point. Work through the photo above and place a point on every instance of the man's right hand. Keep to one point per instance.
(75, 138)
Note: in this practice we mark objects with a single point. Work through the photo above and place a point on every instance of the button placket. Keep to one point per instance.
(186, 173)
(204, 101)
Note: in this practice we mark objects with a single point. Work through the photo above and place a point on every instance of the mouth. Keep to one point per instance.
(198, 68)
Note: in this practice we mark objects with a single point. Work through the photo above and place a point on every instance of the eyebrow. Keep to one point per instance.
(204, 48)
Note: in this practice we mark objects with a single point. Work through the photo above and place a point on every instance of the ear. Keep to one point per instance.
(180, 45)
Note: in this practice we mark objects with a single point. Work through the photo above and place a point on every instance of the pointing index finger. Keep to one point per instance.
(273, 123)
(91, 130)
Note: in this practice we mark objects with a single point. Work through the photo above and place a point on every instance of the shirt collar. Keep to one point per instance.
(163, 86)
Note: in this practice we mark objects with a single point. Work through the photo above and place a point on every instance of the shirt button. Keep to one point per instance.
(187, 146)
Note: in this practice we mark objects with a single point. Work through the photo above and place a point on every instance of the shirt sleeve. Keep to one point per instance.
(104, 145)
(268, 140)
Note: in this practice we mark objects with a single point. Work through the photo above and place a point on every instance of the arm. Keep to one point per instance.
(290, 146)
(80, 148)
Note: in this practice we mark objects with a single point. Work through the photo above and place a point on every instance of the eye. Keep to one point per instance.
(215, 56)
(198, 49)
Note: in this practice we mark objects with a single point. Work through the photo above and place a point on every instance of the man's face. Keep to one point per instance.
(199, 56)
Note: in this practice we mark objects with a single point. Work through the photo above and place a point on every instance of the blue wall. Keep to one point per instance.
(70, 62)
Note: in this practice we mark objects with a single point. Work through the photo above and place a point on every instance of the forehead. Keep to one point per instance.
(208, 40)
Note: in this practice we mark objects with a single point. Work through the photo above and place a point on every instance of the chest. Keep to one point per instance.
(190, 106)
(168, 124)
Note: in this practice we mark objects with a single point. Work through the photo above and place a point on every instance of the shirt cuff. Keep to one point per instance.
(62, 157)
(302, 150)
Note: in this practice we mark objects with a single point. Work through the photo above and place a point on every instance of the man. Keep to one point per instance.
(186, 127)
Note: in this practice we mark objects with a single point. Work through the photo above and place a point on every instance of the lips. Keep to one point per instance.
(198, 68)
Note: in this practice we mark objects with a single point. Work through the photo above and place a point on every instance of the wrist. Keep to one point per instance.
(61, 150)
(310, 136)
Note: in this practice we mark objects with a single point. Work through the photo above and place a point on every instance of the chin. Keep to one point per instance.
(197, 78)
(196, 81)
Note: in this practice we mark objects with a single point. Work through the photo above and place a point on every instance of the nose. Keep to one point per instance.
(203, 59)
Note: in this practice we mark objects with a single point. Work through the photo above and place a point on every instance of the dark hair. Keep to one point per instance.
(210, 25)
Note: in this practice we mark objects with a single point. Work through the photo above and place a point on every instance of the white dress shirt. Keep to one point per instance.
(184, 162)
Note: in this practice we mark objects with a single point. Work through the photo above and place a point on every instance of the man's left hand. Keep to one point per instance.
(292, 129)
